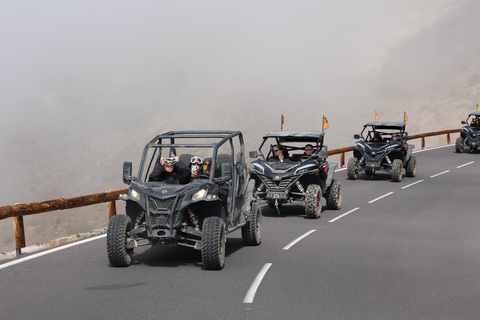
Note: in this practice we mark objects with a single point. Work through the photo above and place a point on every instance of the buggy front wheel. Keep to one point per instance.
(117, 234)
(459, 145)
(313, 201)
(213, 243)
(334, 195)
(252, 231)
(397, 170)
(411, 168)
(352, 168)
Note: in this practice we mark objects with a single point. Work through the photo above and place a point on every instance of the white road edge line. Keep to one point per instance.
(411, 184)
(36, 255)
(436, 175)
(385, 195)
(291, 244)
(432, 148)
(466, 164)
(256, 283)
(343, 215)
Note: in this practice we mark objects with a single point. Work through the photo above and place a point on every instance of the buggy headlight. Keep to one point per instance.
(200, 194)
(135, 195)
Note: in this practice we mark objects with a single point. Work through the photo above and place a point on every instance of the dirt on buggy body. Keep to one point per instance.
(301, 177)
(379, 150)
(470, 134)
(197, 214)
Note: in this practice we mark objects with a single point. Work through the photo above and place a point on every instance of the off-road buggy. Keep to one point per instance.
(196, 214)
(301, 177)
(378, 150)
(470, 134)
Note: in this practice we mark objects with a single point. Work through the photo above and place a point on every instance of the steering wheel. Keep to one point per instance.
(303, 158)
(202, 175)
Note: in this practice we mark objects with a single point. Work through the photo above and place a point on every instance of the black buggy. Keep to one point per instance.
(197, 214)
(380, 150)
(470, 134)
(301, 177)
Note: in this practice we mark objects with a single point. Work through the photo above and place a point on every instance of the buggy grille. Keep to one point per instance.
(160, 205)
(278, 185)
(160, 220)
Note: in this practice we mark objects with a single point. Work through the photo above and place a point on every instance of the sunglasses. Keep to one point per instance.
(207, 167)
(308, 149)
(196, 160)
(276, 150)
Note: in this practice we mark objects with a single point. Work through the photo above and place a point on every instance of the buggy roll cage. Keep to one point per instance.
(158, 144)
(281, 137)
(377, 126)
(474, 115)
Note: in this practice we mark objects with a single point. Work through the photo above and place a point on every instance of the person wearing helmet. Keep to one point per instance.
(171, 171)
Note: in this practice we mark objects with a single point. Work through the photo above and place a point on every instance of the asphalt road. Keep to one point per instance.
(408, 250)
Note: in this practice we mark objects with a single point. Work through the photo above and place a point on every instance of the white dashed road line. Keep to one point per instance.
(298, 239)
(343, 215)
(256, 283)
(466, 164)
(436, 175)
(385, 195)
(411, 184)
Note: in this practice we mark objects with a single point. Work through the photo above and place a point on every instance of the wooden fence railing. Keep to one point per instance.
(17, 211)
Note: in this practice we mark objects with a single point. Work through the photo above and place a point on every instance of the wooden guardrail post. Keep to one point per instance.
(19, 231)
(423, 142)
(342, 159)
(112, 209)
(448, 138)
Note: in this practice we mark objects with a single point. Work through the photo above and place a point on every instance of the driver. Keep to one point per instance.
(308, 150)
(171, 171)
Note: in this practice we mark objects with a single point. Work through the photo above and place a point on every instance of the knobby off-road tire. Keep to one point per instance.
(252, 231)
(459, 145)
(411, 168)
(397, 170)
(352, 168)
(334, 199)
(313, 201)
(118, 254)
(213, 243)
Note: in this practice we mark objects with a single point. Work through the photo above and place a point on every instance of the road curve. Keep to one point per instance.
(407, 250)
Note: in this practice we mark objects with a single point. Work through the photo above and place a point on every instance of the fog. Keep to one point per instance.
(85, 84)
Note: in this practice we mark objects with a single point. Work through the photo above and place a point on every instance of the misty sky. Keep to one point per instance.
(79, 71)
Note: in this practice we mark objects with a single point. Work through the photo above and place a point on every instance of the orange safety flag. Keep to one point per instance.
(376, 116)
(478, 108)
(405, 117)
(283, 121)
(325, 124)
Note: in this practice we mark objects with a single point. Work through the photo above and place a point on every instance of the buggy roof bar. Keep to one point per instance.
(295, 136)
(386, 125)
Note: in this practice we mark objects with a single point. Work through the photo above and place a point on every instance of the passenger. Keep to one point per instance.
(207, 167)
(171, 171)
(377, 137)
(308, 150)
(475, 123)
(394, 138)
(280, 154)
(195, 166)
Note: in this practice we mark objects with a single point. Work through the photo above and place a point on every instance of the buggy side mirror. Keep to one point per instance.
(127, 172)
(253, 154)
(356, 136)
(226, 171)
(323, 154)
(463, 122)
(405, 137)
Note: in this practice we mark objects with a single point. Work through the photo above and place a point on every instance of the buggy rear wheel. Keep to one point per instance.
(313, 201)
(397, 170)
(213, 243)
(459, 145)
(252, 231)
(352, 168)
(334, 199)
(411, 168)
(118, 254)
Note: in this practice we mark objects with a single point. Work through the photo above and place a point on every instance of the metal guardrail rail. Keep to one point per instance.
(17, 211)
